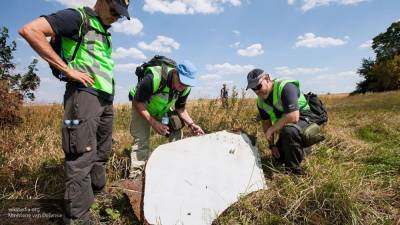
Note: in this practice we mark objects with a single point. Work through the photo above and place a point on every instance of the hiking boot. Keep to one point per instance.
(308, 150)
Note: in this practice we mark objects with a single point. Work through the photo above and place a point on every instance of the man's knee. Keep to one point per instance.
(98, 177)
(289, 131)
(140, 144)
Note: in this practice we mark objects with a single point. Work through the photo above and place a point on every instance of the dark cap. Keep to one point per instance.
(121, 6)
(253, 78)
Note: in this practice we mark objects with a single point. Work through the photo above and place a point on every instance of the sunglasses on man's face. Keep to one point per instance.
(112, 10)
(179, 81)
(258, 87)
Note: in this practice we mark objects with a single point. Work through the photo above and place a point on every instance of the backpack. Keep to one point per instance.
(317, 108)
(157, 60)
(55, 43)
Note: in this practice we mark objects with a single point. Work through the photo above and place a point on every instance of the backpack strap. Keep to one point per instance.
(164, 79)
(83, 29)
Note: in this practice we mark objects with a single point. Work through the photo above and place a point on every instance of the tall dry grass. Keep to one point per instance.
(351, 178)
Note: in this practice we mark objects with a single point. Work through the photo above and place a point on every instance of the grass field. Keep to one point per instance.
(353, 177)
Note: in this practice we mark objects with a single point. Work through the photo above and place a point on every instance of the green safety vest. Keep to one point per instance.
(159, 103)
(94, 53)
(277, 101)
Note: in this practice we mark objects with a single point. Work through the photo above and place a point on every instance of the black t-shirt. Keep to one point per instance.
(66, 23)
(144, 91)
(290, 96)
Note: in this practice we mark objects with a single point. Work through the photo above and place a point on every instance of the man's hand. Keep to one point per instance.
(84, 78)
(270, 134)
(275, 152)
(160, 128)
(196, 129)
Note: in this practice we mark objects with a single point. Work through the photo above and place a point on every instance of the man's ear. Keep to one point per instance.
(172, 72)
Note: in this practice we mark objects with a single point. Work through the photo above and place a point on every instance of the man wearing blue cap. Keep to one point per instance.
(81, 53)
(153, 101)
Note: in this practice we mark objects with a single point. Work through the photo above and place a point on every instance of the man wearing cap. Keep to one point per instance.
(82, 34)
(153, 99)
(284, 109)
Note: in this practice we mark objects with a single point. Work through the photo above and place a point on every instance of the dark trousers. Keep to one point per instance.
(87, 147)
(290, 146)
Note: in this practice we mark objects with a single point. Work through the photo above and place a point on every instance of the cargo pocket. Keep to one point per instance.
(78, 139)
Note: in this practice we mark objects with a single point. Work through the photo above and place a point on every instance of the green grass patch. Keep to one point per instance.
(113, 208)
(382, 162)
(373, 133)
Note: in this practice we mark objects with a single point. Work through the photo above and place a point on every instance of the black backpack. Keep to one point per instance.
(55, 43)
(317, 108)
(157, 60)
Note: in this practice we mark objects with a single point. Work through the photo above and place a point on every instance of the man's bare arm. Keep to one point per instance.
(35, 34)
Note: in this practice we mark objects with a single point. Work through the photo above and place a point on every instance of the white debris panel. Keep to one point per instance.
(194, 180)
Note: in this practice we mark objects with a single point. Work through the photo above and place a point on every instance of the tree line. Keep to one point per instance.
(383, 72)
(15, 87)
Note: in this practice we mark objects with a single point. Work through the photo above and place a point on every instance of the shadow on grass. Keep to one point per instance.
(46, 181)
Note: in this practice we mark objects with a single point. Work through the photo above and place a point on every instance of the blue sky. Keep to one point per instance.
(319, 42)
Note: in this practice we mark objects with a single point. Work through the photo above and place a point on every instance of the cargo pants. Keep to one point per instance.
(87, 138)
(290, 146)
(140, 131)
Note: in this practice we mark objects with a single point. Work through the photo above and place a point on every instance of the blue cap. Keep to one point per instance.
(187, 73)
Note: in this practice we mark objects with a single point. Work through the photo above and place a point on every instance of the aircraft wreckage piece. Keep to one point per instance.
(194, 180)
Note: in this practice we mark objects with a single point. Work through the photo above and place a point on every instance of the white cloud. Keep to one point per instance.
(129, 67)
(310, 40)
(347, 73)
(210, 77)
(236, 32)
(161, 44)
(333, 82)
(75, 3)
(130, 27)
(366, 44)
(252, 50)
(227, 68)
(337, 76)
(134, 53)
(235, 45)
(310, 4)
(212, 86)
(286, 71)
(188, 6)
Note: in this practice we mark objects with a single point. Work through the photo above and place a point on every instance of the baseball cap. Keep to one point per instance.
(121, 6)
(187, 73)
(253, 78)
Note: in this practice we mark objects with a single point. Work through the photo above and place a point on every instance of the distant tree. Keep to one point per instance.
(387, 44)
(365, 71)
(14, 87)
(383, 73)
(387, 74)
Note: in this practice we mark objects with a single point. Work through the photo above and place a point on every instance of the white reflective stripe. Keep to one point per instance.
(92, 36)
(163, 96)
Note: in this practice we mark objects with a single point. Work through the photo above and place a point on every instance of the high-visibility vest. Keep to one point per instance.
(160, 103)
(94, 53)
(277, 101)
